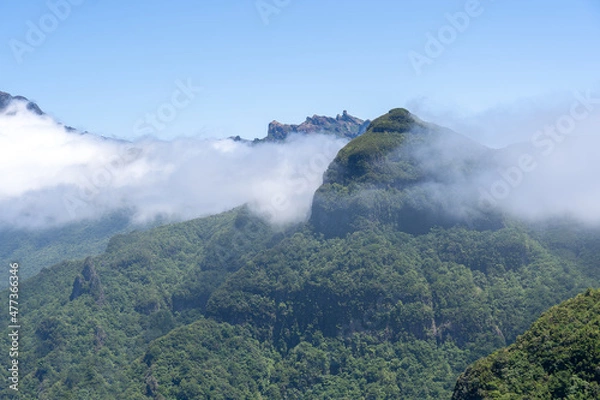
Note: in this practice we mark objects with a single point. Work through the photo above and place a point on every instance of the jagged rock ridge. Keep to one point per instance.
(344, 125)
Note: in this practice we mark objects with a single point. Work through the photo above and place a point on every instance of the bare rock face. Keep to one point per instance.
(345, 126)
(88, 282)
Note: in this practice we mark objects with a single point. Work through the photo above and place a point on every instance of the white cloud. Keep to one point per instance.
(49, 176)
(552, 171)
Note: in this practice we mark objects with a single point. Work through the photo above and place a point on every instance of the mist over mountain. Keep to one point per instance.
(52, 176)
(292, 200)
(416, 175)
(398, 273)
(64, 193)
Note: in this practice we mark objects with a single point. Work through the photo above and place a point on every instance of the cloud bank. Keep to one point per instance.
(50, 176)
(552, 171)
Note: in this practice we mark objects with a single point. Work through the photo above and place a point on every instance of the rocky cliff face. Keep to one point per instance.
(344, 125)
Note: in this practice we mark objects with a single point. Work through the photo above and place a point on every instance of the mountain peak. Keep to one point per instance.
(355, 161)
(6, 99)
(394, 173)
(345, 126)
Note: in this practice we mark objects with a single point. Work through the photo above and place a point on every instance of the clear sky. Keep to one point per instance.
(106, 65)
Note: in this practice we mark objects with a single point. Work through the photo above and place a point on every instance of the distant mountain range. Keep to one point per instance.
(343, 126)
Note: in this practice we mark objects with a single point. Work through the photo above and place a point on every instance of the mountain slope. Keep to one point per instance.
(557, 358)
(35, 250)
(402, 171)
(82, 317)
(228, 307)
(379, 312)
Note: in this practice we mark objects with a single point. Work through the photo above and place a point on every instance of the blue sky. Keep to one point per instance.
(105, 66)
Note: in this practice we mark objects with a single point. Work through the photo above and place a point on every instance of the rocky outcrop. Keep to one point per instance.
(88, 282)
(344, 125)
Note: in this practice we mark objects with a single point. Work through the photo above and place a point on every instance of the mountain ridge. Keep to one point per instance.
(345, 126)
(6, 99)
(230, 307)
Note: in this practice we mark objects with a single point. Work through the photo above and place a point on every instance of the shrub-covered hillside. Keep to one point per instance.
(557, 358)
(37, 249)
(225, 308)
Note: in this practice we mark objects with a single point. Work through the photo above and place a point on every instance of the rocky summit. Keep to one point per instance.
(344, 125)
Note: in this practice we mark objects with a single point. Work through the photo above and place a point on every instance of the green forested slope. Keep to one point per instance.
(83, 323)
(379, 312)
(557, 358)
(35, 249)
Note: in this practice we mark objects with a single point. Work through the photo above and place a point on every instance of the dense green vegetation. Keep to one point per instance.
(85, 322)
(36, 249)
(224, 307)
(558, 358)
(375, 298)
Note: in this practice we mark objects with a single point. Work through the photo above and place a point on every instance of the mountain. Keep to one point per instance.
(42, 248)
(393, 300)
(344, 126)
(557, 358)
(37, 249)
(402, 171)
(6, 99)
